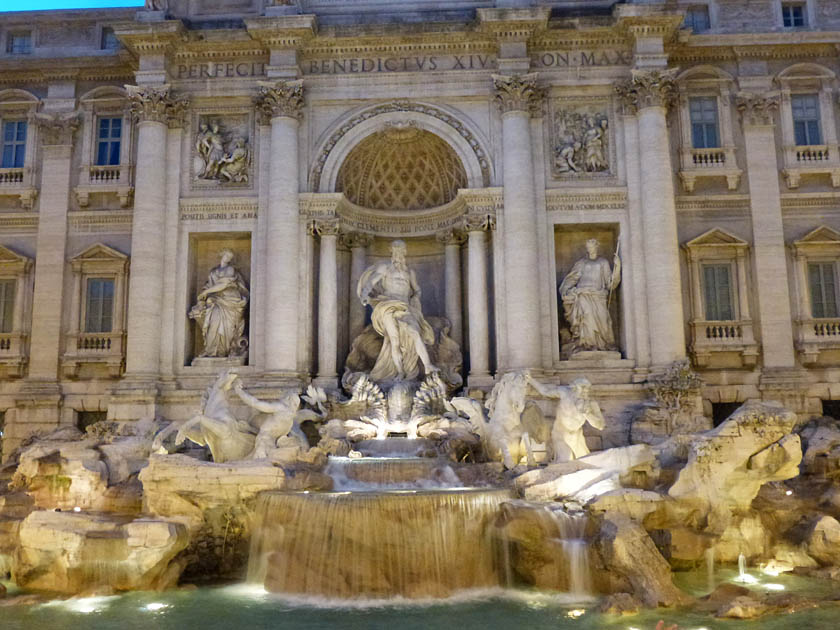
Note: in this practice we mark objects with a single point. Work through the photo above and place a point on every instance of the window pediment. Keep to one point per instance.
(99, 257)
(715, 243)
(12, 262)
(820, 241)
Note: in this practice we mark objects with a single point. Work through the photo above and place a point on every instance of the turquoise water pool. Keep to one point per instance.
(235, 607)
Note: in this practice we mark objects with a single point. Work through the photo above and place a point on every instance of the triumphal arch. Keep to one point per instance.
(303, 190)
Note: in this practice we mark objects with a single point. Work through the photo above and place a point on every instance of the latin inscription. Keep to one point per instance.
(208, 70)
(233, 215)
(423, 63)
(582, 58)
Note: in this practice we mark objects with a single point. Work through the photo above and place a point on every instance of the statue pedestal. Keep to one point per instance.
(219, 363)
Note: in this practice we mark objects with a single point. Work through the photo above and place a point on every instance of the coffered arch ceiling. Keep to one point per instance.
(401, 167)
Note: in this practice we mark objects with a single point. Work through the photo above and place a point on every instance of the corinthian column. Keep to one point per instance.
(518, 97)
(452, 241)
(477, 227)
(358, 242)
(757, 117)
(152, 106)
(56, 131)
(650, 93)
(282, 103)
(327, 230)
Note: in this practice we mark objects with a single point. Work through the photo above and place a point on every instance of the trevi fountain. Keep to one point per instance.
(478, 314)
(394, 498)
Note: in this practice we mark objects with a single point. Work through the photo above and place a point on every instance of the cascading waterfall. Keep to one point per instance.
(710, 567)
(391, 473)
(410, 543)
(572, 533)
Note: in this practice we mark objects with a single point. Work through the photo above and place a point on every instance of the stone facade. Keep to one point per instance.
(494, 138)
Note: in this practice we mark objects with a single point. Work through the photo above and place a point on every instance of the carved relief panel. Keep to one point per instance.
(581, 141)
(222, 153)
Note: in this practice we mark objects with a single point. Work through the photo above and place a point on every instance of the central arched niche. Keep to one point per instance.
(401, 167)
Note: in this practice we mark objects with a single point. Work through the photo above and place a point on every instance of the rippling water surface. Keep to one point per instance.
(250, 608)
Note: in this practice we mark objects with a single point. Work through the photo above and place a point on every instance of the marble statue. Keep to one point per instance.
(564, 160)
(156, 5)
(216, 427)
(575, 408)
(210, 147)
(391, 289)
(595, 158)
(283, 420)
(220, 310)
(234, 166)
(503, 434)
(585, 293)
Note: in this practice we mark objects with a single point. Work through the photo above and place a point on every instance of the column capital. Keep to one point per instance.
(56, 129)
(451, 236)
(517, 93)
(353, 240)
(155, 103)
(280, 98)
(648, 88)
(757, 109)
(325, 227)
(475, 222)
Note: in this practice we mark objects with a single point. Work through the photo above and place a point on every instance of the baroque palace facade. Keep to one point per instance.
(200, 185)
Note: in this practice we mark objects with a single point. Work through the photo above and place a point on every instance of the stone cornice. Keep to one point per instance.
(757, 109)
(288, 31)
(149, 38)
(19, 222)
(517, 93)
(90, 221)
(719, 204)
(513, 24)
(648, 89)
(280, 99)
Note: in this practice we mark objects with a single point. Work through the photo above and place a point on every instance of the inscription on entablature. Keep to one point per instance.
(410, 63)
(218, 214)
(220, 70)
(581, 58)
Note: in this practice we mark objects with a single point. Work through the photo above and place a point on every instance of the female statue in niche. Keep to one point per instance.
(220, 310)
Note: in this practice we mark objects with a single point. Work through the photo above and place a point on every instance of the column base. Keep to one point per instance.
(134, 399)
(788, 386)
(326, 382)
(481, 381)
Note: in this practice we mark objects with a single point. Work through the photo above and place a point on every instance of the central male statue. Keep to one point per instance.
(585, 294)
(391, 289)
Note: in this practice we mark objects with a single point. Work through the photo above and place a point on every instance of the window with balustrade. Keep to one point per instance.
(14, 144)
(96, 337)
(805, 109)
(707, 147)
(720, 322)
(15, 303)
(817, 273)
(108, 140)
(106, 169)
(808, 124)
(703, 113)
(7, 304)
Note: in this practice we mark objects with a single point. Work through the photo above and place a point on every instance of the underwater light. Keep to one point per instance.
(86, 605)
(746, 579)
(774, 587)
(77, 509)
(577, 612)
(155, 606)
(788, 492)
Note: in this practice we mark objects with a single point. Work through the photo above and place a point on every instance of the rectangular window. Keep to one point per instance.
(108, 142)
(19, 43)
(793, 15)
(109, 39)
(7, 305)
(704, 122)
(806, 119)
(99, 305)
(697, 19)
(821, 278)
(14, 144)
(717, 285)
